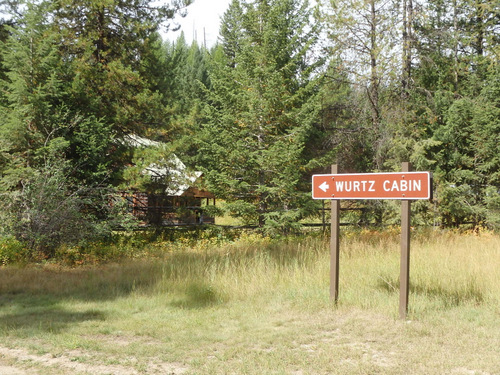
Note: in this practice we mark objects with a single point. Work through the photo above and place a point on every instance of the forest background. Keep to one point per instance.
(290, 88)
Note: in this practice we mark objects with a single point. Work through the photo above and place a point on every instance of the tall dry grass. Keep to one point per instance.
(447, 270)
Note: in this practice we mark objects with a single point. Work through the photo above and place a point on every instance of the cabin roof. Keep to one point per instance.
(177, 172)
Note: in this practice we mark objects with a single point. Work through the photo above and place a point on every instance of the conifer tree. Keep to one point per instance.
(455, 67)
(108, 44)
(33, 90)
(231, 31)
(75, 76)
(261, 112)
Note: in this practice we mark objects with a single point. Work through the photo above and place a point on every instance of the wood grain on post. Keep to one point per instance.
(334, 245)
(404, 276)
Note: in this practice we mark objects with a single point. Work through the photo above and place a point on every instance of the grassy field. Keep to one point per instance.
(258, 306)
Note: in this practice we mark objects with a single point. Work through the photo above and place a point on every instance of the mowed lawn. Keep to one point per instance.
(260, 306)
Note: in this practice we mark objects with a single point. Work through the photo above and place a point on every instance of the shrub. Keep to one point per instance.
(50, 210)
(11, 251)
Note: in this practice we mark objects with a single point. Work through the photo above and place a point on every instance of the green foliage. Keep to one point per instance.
(468, 163)
(46, 212)
(112, 43)
(73, 78)
(492, 201)
(183, 76)
(51, 210)
(246, 211)
(260, 114)
(232, 32)
(90, 141)
(12, 251)
(32, 89)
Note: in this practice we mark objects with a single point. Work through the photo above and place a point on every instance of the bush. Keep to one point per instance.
(51, 210)
(11, 251)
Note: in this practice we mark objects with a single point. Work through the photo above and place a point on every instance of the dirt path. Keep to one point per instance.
(10, 370)
(66, 364)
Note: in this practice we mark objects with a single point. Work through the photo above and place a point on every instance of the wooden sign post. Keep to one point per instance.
(405, 186)
(404, 268)
(334, 245)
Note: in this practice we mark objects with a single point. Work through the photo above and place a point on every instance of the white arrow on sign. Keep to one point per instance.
(324, 186)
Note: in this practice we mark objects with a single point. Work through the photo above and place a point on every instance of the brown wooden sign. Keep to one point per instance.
(406, 185)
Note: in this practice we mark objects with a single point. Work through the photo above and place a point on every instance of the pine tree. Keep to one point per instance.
(260, 113)
(231, 31)
(51, 155)
(455, 62)
(108, 45)
(33, 91)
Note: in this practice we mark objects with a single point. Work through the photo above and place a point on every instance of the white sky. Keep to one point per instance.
(201, 23)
